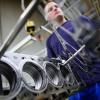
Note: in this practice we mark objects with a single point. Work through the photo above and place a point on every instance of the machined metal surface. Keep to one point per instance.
(13, 77)
(53, 74)
(34, 77)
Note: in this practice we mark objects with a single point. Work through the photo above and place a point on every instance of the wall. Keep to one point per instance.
(10, 12)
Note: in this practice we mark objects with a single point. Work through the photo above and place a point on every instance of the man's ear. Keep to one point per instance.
(46, 17)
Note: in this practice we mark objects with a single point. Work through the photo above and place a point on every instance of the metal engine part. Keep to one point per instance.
(34, 78)
(42, 77)
(53, 74)
(9, 72)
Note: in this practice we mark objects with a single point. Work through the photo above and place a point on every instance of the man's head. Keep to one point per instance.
(53, 11)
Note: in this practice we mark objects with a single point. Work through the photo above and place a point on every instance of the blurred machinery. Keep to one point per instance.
(36, 75)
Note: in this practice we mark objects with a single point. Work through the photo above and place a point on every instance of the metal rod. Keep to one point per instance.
(46, 29)
(73, 56)
(15, 30)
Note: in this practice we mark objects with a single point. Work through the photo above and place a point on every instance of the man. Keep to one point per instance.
(55, 48)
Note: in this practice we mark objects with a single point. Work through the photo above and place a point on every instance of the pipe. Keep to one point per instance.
(20, 23)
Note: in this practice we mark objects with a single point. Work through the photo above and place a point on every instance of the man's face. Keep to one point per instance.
(52, 11)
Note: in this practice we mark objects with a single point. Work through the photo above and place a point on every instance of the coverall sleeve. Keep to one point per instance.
(50, 52)
(94, 23)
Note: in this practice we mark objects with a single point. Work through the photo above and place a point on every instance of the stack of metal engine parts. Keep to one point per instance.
(37, 76)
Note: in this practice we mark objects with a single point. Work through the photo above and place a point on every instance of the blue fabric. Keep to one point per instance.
(86, 94)
(55, 49)
(90, 93)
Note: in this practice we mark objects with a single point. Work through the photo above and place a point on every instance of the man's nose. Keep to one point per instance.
(54, 8)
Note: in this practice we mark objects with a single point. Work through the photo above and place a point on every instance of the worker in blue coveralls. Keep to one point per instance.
(55, 48)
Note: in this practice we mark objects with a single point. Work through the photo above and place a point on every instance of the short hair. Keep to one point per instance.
(45, 2)
(45, 7)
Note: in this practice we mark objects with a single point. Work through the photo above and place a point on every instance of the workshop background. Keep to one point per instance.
(34, 45)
